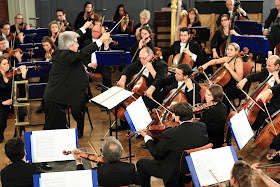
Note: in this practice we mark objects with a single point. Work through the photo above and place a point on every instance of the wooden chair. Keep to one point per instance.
(202, 93)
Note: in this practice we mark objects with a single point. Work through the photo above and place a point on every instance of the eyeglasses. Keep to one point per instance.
(224, 20)
(19, 18)
(143, 58)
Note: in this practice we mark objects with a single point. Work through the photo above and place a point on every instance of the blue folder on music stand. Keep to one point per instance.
(202, 33)
(125, 41)
(113, 58)
(35, 35)
(255, 44)
(44, 69)
(249, 27)
(36, 48)
(110, 25)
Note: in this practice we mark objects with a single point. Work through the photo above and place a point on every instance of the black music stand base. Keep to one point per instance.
(129, 149)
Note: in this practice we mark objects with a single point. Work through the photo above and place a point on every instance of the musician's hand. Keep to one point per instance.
(227, 66)
(7, 102)
(141, 43)
(107, 43)
(233, 32)
(122, 81)
(241, 84)
(105, 36)
(255, 169)
(204, 66)
(21, 37)
(265, 96)
(18, 55)
(93, 65)
(265, 32)
(215, 55)
(87, 24)
(275, 75)
(77, 156)
(241, 11)
(188, 52)
(143, 132)
(188, 83)
(149, 92)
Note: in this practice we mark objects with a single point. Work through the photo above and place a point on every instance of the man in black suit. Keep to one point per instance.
(272, 18)
(167, 151)
(61, 16)
(19, 173)
(153, 71)
(68, 80)
(228, 9)
(113, 172)
(193, 49)
(272, 65)
(273, 38)
(175, 81)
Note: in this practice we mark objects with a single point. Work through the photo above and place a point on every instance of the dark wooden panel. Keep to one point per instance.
(4, 10)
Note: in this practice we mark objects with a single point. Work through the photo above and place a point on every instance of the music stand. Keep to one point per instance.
(110, 25)
(249, 27)
(31, 48)
(125, 41)
(35, 35)
(202, 34)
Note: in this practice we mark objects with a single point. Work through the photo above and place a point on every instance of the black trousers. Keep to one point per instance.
(55, 116)
(105, 71)
(78, 113)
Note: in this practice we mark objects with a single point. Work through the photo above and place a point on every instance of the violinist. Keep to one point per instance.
(175, 81)
(193, 49)
(120, 12)
(5, 95)
(272, 18)
(152, 72)
(215, 116)
(113, 172)
(6, 33)
(54, 28)
(235, 68)
(61, 19)
(228, 9)
(272, 66)
(146, 39)
(167, 151)
(19, 25)
(193, 18)
(145, 17)
(221, 35)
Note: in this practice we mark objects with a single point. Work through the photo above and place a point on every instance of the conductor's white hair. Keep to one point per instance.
(66, 39)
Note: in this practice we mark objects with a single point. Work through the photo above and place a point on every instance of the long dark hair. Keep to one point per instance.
(117, 14)
(221, 28)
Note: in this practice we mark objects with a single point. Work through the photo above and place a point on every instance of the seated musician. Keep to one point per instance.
(235, 68)
(5, 30)
(221, 35)
(55, 30)
(266, 179)
(61, 18)
(120, 12)
(17, 57)
(175, 81)
(193, 18)
(146, 39)
(145, 17)
(167, 151)
(193, 49)
(19, 172)
(272, 18)
(273, 38)
(152, 72)
(113, 172)
(215, 117)
(228, 9)
(19, 26)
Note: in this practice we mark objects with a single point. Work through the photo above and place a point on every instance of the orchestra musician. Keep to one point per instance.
(273, 38)
(67, 76)
(221, 35)
(215, 117)
(266, 179)
(55, 30)
(175, 81)
(19, 172)
(5, 30)
(61, 19)
(3, 49)
(145, 17)
(272, 18)
(19, 25)
(228, 9)
(152, 72)
(193, 18)
(145, 35)
(114, 172)
(167, 151)
(235, 68)
(120, 12)
(5, 95)
(193, 49)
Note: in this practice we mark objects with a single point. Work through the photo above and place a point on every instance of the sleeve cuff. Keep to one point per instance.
(98, 43)
(266, 29)
(79, 164)
(270, 91)
(106, 49)
(147, 138)
(270, 52)
(194, 57)
(190, 89)
(83, 30)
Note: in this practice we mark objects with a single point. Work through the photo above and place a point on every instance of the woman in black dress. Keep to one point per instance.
(193, 18)
(123, 26)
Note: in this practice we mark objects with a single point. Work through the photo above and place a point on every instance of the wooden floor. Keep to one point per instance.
(100, 127)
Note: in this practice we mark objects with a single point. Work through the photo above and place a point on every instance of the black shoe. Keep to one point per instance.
(143, 146)
(120, 128)
(45, 166)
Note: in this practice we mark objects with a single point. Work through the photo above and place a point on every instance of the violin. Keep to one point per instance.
(12, 36)
(11, 53)
(89, 15)
(48, 54)
(22, 26)
(87, 156)
(202, 107)
(17, 71)
(183, 58)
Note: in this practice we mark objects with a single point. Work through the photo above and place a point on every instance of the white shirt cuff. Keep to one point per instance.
(98, 43)
(194, 57)
(106, 49)
(270, 52)
(83, 30)
(270, 91)
(79, 164)
(190, 89)
(147, 138)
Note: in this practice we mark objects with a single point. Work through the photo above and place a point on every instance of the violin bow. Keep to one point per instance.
(214, 177)
(193, 97)
(93, 148)
(270, 118)
(116, 24)
(252, 100)
(161, 105)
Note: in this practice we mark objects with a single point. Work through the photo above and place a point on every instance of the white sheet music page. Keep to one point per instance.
(139, 114)
(47, 145)
(220, 161)
(241, 128)
(67, 179)
(112, 97)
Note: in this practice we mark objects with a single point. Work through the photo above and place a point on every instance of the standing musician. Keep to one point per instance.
(272, 64)
(273, 38)
(215, 117)
(55, 30)
(193, 18)
(167, 151)
(221, 35)
(5, 94)
(68, 80)
(145, 17)
(153, 71)
(193, 49)
(228, 9)
(272, 18)
(175, 81)
(61, 19)
(120, 12)
(113, 172)
(235, 68)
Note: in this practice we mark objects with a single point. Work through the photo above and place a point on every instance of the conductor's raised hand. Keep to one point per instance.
(87, 24)
(105, 36)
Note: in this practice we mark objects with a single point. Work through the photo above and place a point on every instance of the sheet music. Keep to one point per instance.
(112, 97)
(67, 179)
(220, 161)
(241, 128)
(47, 145)
(139, 114)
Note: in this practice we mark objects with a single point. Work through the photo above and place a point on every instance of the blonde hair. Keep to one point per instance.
(19, 14)
(145, 13)
(53, 22)
(236, 46)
